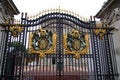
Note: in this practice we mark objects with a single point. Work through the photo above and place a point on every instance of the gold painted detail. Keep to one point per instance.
(15, 30)
(76, 43)
(57, 10)
(100, 32)
(42, 42)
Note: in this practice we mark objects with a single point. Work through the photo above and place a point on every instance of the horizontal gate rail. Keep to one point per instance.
(30, 25)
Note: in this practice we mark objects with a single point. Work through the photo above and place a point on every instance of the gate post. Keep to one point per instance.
(59, 48)
(95, 51)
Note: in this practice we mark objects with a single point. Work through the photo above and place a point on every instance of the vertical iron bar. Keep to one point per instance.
(22, 39)
(95, 55)
(59, 48)
(109, 59)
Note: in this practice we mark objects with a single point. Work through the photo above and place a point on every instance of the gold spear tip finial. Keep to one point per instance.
(59, 7)
(30, 16)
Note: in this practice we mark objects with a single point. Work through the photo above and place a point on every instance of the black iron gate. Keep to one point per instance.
(57, 46)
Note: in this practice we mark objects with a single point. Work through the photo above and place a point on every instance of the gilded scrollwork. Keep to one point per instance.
(16, 30)
(100, 32)
(76, 43)
(42, 42)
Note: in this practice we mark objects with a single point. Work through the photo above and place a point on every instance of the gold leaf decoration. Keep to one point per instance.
(46, 43)
(16, 30)
(79, 40)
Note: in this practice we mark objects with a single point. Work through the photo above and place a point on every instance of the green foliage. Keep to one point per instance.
(18, 47)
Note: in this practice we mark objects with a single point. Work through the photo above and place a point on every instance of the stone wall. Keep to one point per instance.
(7, 12)
(3, 17)
(113, 20)
(110, 14)
(116, 39)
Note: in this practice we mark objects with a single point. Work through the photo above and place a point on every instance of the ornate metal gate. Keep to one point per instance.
(57, 46)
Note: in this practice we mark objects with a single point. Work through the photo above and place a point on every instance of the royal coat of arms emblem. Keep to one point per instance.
(43, 42)
(76, 43)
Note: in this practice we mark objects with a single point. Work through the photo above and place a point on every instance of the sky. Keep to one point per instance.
(84, 8)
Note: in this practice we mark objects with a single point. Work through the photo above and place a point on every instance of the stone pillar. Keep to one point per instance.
(116, 39)
(3, 18)
(1, 21)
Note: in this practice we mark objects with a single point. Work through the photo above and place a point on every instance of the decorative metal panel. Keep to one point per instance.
(56, 45)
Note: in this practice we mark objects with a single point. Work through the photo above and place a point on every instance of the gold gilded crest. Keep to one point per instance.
(16, 30)
(42, 42)
(76, 43)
